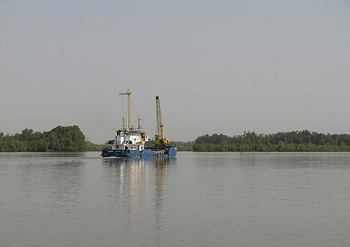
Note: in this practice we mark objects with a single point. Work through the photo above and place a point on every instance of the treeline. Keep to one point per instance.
(295, 141)
(94, 147)
(59, 139)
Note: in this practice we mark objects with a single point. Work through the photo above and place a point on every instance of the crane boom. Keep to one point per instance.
(159, 138)
(159, 119)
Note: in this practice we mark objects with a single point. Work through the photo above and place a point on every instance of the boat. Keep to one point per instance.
(129, 142)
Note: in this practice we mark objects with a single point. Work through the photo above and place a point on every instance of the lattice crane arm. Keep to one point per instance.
(159, 119)
(160, 140)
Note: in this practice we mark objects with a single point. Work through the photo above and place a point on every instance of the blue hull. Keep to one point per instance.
(146, 153)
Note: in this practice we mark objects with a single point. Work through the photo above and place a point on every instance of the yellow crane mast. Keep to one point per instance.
(159, 138)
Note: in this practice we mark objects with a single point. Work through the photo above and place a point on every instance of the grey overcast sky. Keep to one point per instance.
(218, 66)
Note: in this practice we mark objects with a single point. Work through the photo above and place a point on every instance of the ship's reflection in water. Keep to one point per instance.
(138, 186)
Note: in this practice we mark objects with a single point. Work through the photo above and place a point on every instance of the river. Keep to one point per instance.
(197, 199)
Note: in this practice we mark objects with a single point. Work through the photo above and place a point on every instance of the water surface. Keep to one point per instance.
(198, 199)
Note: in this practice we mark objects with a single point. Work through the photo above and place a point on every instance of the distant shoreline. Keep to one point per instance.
(294, 141)
(71, 139)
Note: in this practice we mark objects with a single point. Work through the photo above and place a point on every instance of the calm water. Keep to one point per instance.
(199, 199)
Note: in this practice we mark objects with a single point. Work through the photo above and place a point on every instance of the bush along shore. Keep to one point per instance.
(71, 139)
(294, 141)
(59, 139)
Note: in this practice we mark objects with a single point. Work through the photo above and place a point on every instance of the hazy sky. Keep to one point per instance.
(218, 66)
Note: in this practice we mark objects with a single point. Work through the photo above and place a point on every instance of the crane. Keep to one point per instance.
(159, 138)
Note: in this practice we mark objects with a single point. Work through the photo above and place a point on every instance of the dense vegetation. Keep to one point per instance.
(94, 147)
(72, 139)
(59, 139)
(295, 141)
(184, 146)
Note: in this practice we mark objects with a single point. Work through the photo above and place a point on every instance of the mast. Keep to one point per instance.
(123, 123)
(128, 93)
(139, 123)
